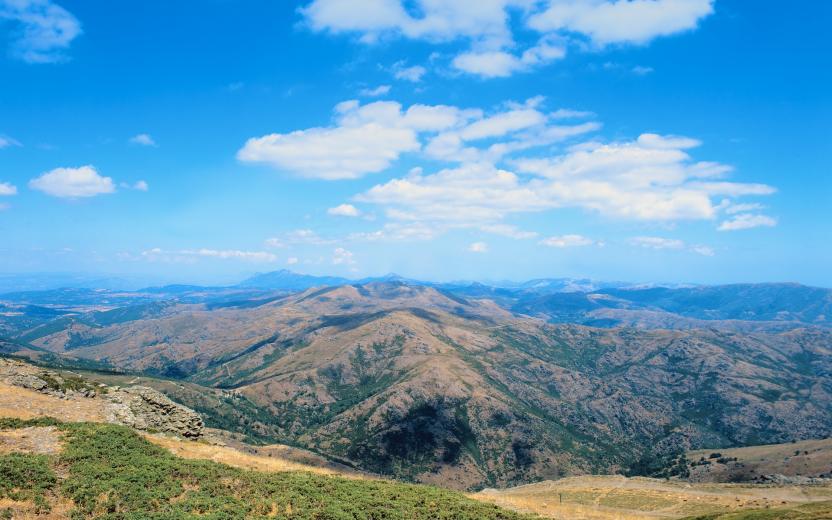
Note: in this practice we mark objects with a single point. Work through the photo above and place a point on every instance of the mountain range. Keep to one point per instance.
(464, 385)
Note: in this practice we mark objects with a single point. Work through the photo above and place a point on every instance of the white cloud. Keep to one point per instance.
(44, 30)
(478, 247)
(412, 74)
(191, 255)
(367, 139)
(508, 231)
(143, 140)
(7, 189)
(499, 162)
(617, 21)
(295, 237)
(747, 221)
(292, 260)
(640, 70)
(341, 256)
(732, 209)
(138, 186)
(703, 250)
(305, 236)
(6, 141)
(344, 210)
(487, 25)
(566, 113)
(492, 64)
(567, 241)
(73, 183)
(674, 244)
(652, 178)
(658, 242)
(395, 231)
(375, 92)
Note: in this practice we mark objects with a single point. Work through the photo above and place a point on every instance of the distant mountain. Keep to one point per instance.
(288, 280)
(737, 307)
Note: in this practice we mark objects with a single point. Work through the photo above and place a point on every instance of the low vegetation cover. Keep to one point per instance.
(812, 511)
(113, 473)
(26, 477)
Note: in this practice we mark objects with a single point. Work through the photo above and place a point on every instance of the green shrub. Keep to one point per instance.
(13, 423)
(115, 474)
(26, 477)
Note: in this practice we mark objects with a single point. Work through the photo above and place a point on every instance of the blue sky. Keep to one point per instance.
(666, 140)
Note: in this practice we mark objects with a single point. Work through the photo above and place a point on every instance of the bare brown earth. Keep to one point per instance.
(416, 383)
(621, 498)
(44, 440)
(810, 458)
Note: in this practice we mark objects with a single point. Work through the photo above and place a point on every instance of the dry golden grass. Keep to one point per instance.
(233, 457)
(60, 509)
(621, 498)
(810, 458)
(22, 403)
(44, 440)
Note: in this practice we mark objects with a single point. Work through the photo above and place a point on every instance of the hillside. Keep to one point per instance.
(54, 469)
(795, 461)
(420, 383)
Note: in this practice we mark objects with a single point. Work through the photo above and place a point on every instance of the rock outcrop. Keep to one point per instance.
(139, 407)
(144, 408)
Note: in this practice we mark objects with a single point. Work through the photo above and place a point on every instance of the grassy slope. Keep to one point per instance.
(809, 458)
(816, 511)
(111, 472)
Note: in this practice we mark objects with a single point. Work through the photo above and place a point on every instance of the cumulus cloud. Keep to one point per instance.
(375, 92)
(7, 189)
(487, 26)
(616, 21)
(652, 178)
(192, 255)
(44, 29)
(478, 247)
(747, 221)
(369, 138)
(344, 210)
(143, 140)
(73, 183)
(567, 241)
(341, 256)
(493, 163)
(412, 74)
(292, 260)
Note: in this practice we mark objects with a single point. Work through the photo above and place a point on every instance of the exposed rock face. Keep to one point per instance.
(143, 408)
(137, 406)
